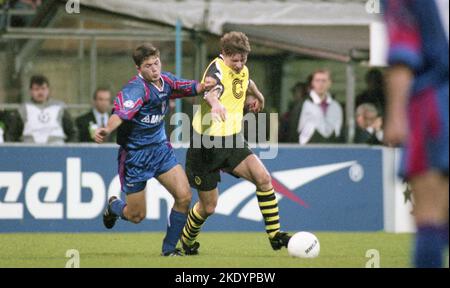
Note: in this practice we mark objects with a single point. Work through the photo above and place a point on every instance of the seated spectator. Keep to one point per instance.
(10, 124)
(369, 128)
(321, 118)
(96, 118)
(45, 121)
(374, 92)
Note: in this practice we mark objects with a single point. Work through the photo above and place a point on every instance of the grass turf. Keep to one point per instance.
(231, 250)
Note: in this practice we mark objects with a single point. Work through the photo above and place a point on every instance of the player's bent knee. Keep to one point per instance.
(184, 200)
(263, 180)
(210, 210)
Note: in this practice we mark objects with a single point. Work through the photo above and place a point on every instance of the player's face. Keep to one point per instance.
(102, 101)
(151, 69)
(236, 61)
(321, 83)
(40, 93)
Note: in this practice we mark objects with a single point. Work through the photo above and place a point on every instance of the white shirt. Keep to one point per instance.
(43, 122)
(101, 118)
(312, 118)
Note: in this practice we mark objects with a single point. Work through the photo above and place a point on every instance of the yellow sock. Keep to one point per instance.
(268, 205)
(193, 226)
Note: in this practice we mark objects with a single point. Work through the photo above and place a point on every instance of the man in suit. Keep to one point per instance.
(96, 118)
(369, 128)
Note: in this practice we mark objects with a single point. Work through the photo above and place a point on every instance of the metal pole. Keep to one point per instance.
(81, 66)
(350, 106)
(179, 68)
(93, 83)
(201, 56)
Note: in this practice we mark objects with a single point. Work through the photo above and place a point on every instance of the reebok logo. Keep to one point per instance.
(284, 182)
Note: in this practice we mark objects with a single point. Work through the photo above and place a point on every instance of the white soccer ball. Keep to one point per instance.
(304, 245)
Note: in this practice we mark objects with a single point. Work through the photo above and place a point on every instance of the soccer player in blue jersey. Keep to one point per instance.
(145, 152)
(418, 115)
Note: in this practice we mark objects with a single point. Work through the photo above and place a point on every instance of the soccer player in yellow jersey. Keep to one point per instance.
(218, 144)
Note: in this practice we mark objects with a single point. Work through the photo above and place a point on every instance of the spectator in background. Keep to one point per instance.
(321, 118)
(374, 92)
(45, 121)
(10, 124)
(96, 118)
(369, 128)
(289, 120)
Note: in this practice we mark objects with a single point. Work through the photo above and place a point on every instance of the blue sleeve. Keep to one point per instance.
(405, 41)
(180, 87)
(129, 101)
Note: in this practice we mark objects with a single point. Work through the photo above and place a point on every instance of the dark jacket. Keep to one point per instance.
(83, 124)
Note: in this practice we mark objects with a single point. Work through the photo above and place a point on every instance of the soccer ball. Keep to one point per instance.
(304, 245)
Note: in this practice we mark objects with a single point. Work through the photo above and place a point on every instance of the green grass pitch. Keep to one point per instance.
(230, 250)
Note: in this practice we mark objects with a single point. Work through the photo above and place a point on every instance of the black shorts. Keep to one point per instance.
(204, 161)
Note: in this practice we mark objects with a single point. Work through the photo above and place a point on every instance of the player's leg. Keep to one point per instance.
(430, 192)
(253, 170)
(203, 175)
(197, 216)
(133, 210)
(175, 181)
(133, 180)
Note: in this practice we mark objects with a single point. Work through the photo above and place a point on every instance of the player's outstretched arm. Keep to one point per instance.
(254, 91)
(113, 123)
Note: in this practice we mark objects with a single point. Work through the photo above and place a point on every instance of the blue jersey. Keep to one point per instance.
(419, 38)
(419, 34)
(143, 105)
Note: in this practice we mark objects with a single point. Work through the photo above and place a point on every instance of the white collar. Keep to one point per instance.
(160, 78)
(98, 114)
(316, 98)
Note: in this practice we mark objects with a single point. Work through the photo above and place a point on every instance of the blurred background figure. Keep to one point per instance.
(417, 117)
(96, 118)
(10, 125)
(24, 20)
(321, 118)
(289, 120)
(374, 92)
(369, 124)
(45, 121)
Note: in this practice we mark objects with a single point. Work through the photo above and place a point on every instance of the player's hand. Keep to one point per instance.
(253, 104)
(218, 112)
(101, 134)
(207, 85)
(378, 124)
(257, 106)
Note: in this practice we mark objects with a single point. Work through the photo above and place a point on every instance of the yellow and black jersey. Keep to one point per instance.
(233, 88)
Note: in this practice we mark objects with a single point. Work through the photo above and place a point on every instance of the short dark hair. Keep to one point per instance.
(143, 52)
(235, 43)
(98, 90)
(38, 80)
